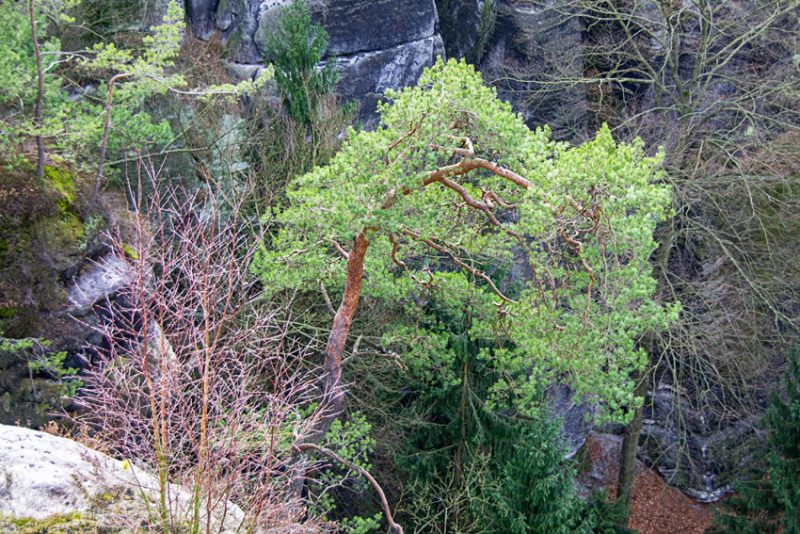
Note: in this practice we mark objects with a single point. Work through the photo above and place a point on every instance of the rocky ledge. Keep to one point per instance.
(50, 483)
(378, 44)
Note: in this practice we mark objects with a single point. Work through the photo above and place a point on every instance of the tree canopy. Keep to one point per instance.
(454, 197)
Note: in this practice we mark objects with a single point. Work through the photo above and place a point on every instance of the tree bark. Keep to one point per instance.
(627, 457)
(37, 111)
(104, 139)
(332, 392)
(333, 395)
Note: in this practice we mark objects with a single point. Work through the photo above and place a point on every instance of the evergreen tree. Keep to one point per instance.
(784, 458)
(470, 466)
(772, 497)
(295, 49)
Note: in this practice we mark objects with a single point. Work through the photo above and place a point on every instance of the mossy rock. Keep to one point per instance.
(33, 401)
(63, 181)
(73, 523)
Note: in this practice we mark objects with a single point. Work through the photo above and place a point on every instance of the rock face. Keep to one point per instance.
(97, 282)
(378, 44)
(540, 42)
(696, 452)
(460, 22)
(42, 475)
(34, 397)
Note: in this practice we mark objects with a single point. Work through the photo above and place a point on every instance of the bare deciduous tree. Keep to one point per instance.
(716, 84)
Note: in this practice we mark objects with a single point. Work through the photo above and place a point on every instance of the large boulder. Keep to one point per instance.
(378, 44)
(44, 477)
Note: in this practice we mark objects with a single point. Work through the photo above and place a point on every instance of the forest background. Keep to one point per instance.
(224, 218)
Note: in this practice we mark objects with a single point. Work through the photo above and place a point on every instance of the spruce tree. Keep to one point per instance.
(772, 496)
(295, 49)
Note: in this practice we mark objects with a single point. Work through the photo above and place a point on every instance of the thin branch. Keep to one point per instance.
(342, 252)
(579, 247)
(387, 511)
(106, 125)
(475, 272)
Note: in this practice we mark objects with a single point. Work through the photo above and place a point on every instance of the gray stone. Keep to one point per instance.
(98, 282)
(378, 44)
(460, 24)
(576, 417)
(365, 77)
(538, 42)
(356, 26)
(694, 450)
(42, 475)
(201, 16)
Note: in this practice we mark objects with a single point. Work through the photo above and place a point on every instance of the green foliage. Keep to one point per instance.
(350, 440)
(543, 330)
(784, 458)
(72, 126)
(604, 516)
(535, 492)
(468, 468)
(284, 145)
(361, 525)
(772, 497)
(18, 345)
(53, 365)
(295, 49)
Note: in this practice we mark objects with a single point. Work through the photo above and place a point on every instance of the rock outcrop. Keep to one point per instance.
(540, 43)
(378, 44)
(698, 452)
(45, 476)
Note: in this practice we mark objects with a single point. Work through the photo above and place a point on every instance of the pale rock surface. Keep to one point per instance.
(42, 475)
(99, 281)
(378, 44)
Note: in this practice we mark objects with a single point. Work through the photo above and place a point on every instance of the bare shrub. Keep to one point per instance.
(198, 380)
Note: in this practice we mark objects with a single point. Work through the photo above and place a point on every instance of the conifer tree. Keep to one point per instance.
(451, 193)
(295, 49)
(772, 497)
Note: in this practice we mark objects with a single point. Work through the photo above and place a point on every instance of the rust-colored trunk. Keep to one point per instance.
(332, 386)
(332, 392)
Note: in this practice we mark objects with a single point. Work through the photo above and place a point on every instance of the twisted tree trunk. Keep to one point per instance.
(333, 394)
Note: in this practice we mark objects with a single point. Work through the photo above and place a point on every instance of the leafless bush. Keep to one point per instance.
(198, 380)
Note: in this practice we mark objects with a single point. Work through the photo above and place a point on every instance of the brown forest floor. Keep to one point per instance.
(661, 509)
(657, 508)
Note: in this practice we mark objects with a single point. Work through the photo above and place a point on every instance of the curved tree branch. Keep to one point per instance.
(387, 512)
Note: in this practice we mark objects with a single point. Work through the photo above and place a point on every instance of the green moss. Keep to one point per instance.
(62, 181)
(73, 522)
(130, 251)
